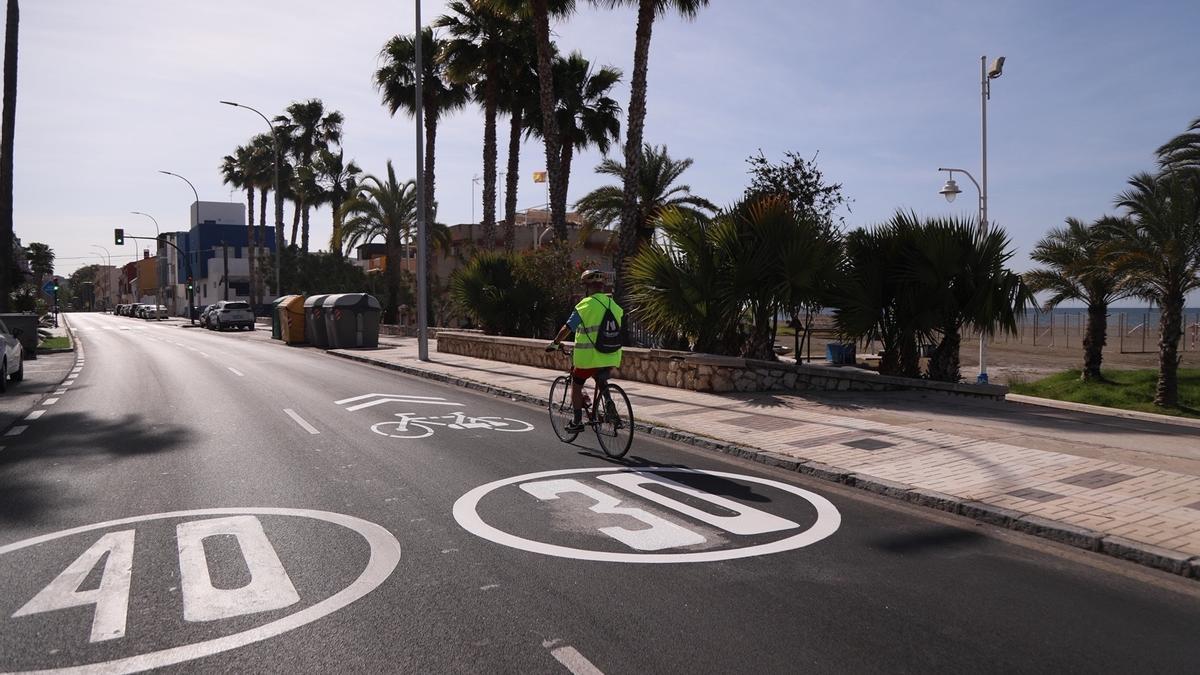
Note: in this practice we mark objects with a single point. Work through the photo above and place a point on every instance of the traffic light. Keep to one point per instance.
(55, 284)
(119, 237)
(189, 284)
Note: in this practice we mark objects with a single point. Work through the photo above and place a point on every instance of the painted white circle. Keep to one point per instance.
(467, 515)
(385, 555)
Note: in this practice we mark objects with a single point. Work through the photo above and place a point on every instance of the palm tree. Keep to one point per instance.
(311, 129)
(584, 114)
(7, 128)
(235, 172)
(647, 12)
(41, 262)
(382, 208)
(657, 192)
(539, 12)
(476, 54)
(1158, 250)
(519, 99)
(1076, 268)
(259, 171)
(1183, 151)
(338, 180)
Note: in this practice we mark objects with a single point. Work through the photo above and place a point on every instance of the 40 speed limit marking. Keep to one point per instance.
(638, 497)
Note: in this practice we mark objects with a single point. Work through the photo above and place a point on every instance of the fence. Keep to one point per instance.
(1133, 332)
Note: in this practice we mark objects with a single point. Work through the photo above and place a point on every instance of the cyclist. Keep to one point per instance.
(596, 322)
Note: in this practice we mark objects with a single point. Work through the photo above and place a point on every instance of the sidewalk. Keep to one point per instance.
(1126, 487)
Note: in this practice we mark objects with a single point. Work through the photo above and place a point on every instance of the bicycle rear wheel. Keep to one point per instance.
(561, 413)
(614, 421)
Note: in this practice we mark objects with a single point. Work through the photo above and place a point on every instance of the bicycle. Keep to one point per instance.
(607, 411)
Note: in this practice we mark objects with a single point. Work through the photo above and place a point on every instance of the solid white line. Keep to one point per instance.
(17, 430)
(50, 401)
(574, 661)
(235, 372)
(300, 420)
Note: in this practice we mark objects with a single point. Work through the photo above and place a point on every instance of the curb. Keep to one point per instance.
(60, 350)
(1138, 415)
(1175, 562)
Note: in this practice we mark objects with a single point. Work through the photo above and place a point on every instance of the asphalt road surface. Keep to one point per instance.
(215, 502)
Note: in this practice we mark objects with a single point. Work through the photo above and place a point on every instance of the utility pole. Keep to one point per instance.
(225, 259)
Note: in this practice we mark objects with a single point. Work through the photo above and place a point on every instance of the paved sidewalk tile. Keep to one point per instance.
(1141, 503)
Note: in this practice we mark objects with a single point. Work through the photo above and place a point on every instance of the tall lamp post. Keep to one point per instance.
(158, 248)
(192, 292)
(107, 273)
(422, 272)
(951, 190)
(278, 197)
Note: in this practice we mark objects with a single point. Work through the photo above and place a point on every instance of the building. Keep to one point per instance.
(215, 252)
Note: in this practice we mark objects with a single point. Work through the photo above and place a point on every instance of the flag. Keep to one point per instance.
(539, 176)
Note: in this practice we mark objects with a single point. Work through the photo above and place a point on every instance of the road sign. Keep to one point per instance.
(229, 571)
(649, 515)
(48, 287)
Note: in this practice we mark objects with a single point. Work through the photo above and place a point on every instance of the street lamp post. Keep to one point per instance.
(422, 272)
(157, 251)
(278, 196)
(951, 190)
(192, 292)
(107, 277)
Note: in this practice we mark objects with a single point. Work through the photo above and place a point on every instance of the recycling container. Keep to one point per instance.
(352, 320)
(276, 319)
(840, 354)
(291, 319)
(315, 332)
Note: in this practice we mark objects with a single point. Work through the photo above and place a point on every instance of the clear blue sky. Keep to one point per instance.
(886, 92)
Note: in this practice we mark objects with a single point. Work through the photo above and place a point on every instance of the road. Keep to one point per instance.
(198, 501)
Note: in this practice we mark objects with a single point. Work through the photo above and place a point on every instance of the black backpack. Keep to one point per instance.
(610, 336)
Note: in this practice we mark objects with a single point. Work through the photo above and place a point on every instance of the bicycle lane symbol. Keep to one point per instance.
(412, 426)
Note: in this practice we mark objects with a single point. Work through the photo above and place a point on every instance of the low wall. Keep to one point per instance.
(705, 372)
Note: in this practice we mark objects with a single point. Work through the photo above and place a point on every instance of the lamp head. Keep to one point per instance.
(230, 103)
(996, 69)
(950, 190)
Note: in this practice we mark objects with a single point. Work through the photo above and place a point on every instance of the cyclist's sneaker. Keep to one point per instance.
(573, 427)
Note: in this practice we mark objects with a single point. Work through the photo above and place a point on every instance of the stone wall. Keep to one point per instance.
(704, 372)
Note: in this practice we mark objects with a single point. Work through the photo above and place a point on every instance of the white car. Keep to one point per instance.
(231, 314)
(13, 367)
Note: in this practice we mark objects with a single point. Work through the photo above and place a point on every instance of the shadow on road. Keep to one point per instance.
(939, 538)
(39, 469)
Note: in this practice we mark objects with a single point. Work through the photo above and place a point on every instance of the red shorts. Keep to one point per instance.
(581, 375)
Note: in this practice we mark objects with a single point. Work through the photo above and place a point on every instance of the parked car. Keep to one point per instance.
(204, 314)
(13, 366)
(154, 311)
(231, 314)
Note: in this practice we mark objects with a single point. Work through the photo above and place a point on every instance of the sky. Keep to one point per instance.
(881, 92)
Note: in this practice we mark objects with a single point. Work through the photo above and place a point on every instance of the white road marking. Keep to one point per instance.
(50, 401)
(300, 420)
(111, 598)
(60, 392)
(235, 372)
(269, 587)
(380, 399)
(34, 415)
(203, 354)
(382, 560)
(571, 659)
(17, 430)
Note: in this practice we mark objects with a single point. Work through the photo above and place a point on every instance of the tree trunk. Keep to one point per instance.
(279, 246)
(304, 212)
(760, 345)
(1094, 339)
(489, 161)
(335, 241)
(7, 128)
(1166, 394)
(943, 365)
(392, 309)
(635, 121)
(295, 223)
(250, 242)
(541, 30)
(559, 197)
(516, 124)
(260, 241)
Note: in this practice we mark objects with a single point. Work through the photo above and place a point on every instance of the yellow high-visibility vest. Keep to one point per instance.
(591, 310)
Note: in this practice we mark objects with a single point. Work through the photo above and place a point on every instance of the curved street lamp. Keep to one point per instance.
(192, 293)
(278, 197)
(951, 190)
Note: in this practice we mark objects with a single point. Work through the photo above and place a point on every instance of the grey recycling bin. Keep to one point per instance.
(352, 320)
(315, 332)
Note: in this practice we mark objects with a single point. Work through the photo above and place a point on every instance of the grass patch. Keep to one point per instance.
(1125, 389)
(62, 342)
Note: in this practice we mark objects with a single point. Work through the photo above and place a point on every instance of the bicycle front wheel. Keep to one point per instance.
(561, 413)
(614, 421)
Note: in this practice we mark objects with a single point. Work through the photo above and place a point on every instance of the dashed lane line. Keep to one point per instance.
(50, 401)
(59, 392)
(571, 659)
(34, 415)
(300, 420)
(17, 430)
(235, 371)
